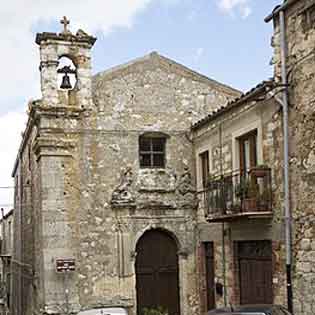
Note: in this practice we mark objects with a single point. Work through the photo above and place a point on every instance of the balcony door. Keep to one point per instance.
(204, 162)
(248, 151)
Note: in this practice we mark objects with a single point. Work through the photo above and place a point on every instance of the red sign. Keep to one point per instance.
(63, 265)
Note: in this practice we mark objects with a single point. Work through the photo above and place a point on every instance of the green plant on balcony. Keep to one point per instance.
(262, 166)
(241, 189)
(247, 192)
(265, 199)
(154, 311)
(251, 198)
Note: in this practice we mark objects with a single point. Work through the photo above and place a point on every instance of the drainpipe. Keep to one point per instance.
(288, 216)
(223, 226)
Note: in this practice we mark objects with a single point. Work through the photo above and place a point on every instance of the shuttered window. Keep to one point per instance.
(204, 161)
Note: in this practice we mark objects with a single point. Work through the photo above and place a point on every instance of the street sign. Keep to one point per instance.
(63, 265)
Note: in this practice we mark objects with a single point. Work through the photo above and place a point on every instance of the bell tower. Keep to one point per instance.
(69, 84)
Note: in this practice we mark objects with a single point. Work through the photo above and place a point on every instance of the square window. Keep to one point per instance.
(152, 152)
(145, 160)
(145, 144)
(158, 160)
(158, 144)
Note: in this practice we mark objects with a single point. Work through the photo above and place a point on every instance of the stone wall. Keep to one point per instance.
(26, 254)
(249, 115)
(300, 38)
(6, 226)
(90, 200)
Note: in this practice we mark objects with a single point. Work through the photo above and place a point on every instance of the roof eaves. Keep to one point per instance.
(279, 8)
(232, 104)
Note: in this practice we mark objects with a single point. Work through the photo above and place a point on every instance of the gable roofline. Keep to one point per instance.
(155, 58)
(279, 8)
(262, 87)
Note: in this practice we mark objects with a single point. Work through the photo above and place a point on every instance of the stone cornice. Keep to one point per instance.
(68, 37)
(56, 111)
(45, 146)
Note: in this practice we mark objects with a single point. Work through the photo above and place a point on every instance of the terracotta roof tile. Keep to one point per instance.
(237, 101)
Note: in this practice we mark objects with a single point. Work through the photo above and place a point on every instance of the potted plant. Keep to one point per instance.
(241, 189)
(154, 311)
(236, 207)
(265, 200)
(250, 200)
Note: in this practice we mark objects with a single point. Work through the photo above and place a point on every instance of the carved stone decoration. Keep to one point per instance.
(186, 190)
(185, 184)
(123, 193)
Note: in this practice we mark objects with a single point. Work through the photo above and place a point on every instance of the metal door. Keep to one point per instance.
(255, 272)
(157, 273)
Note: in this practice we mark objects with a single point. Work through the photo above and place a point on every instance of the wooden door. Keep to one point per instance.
(157, 273)
(209, 260)
(255, 272)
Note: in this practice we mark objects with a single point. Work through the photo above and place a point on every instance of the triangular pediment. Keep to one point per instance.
(155, 60)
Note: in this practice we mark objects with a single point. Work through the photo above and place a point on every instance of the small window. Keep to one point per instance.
(152, 151)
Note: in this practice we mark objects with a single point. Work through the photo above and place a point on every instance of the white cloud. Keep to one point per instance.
(19, 74)
(19, 78)
(198, 54)
(232, 6)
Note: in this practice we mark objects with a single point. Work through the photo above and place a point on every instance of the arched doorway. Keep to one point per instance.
(157, 272)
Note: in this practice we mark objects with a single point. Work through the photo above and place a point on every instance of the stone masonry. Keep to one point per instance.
(80, 192)
(300, 37)
(245, 114)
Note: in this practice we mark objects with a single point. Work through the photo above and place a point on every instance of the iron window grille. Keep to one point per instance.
(152, 152)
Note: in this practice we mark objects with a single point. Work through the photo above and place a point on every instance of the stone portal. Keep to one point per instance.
(157, 274)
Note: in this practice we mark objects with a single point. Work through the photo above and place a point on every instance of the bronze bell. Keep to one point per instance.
(65, 84)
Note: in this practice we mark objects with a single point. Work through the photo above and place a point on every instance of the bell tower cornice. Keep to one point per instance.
(80, 38)
(66, 35)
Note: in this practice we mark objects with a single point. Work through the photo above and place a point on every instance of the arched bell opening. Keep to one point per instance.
(67, 74)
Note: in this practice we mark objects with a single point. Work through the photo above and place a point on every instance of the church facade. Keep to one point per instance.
(105, 199)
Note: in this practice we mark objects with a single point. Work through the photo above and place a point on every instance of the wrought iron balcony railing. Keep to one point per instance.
(238, 194)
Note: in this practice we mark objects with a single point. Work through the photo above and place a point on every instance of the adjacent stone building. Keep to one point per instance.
(235, 150)
(240, 159)
(6, 226)
(299, 19)
(105, 183)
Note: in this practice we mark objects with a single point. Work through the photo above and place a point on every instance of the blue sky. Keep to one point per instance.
(225, 47)
(226, 40)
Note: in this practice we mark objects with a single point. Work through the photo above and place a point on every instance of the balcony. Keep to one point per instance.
(242, 194)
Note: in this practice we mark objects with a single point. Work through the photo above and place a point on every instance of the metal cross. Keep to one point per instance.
(65, 23)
